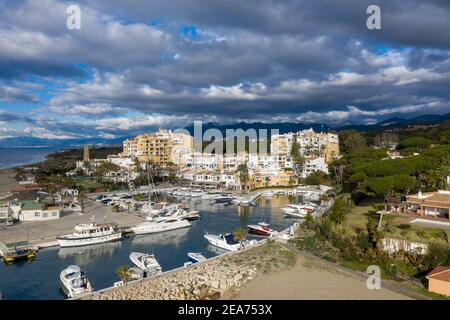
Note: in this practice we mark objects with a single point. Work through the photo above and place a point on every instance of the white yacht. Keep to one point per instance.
(226, 241)
(223, 198)
(312, 195)
(147, 263)
(210, 195)
(183, 192)
(196, 257)
(191, 215)
(89, 233)
(74, 282)
(159, 208)
(299, 210)
(160, 224)
(197, 193)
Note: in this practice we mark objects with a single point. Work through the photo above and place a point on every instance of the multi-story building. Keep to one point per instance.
(313, 164)
(161, 147)
(310, 144)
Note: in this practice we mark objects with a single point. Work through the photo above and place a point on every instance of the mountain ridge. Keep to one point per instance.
(283, 127)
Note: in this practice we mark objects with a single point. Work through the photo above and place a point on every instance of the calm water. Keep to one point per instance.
(13, 157)
(40, 278)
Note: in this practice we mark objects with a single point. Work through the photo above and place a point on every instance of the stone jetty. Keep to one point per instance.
(209, 280)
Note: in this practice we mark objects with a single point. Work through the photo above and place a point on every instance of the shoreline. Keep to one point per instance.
(253, 276)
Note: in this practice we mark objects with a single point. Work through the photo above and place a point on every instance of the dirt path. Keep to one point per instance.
(310, 279)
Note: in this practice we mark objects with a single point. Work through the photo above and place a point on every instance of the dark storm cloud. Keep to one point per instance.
(256, 59)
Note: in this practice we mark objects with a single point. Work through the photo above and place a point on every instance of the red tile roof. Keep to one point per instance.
(440, 273)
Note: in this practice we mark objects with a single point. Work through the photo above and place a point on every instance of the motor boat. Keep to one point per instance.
(243, 202)
(90, 233)
(74, 282)
(210, 195)
(147, 263)
(261, 229)
(159, 208)
(172, 237)
(223, 198)
(160, 224)
(183, 192)
(295, 210)
(197, 193)
(196, 257)
(268, 194)
(225, 241)
(191, 215)
(312, 196)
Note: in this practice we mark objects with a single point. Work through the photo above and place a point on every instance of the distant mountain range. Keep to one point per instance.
(283, 127)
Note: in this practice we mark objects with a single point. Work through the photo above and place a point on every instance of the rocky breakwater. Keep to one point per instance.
(214, 279)
(206, 281)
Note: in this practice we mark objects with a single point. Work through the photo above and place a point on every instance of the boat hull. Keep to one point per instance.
(67, 242)
(259, 232)
(217, 242)
(143, 229)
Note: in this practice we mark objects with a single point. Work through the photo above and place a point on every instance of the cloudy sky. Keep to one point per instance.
(138, 65)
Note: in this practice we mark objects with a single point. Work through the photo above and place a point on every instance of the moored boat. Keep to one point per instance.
(196, 256)
(147, 263)
(91, 233)
(223, 198)
(19, 254)
(225, 241)
(261, 229)
(160, 224)
(74, 282)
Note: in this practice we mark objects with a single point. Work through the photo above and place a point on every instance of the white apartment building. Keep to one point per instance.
(5, 211)
(313, 164)
(269, 162)
(121, 176)
(310, 143)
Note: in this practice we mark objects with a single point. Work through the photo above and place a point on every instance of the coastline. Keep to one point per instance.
(250, 274)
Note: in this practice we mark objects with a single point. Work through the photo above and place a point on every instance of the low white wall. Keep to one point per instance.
(393, 245)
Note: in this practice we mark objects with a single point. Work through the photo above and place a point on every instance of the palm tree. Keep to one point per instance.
(82, 197)
(124, 273)
(240, 234)
(243, 175)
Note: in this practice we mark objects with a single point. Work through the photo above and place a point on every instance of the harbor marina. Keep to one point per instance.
(101, 261)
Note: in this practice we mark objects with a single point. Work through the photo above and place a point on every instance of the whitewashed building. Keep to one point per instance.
(313, 164)
(37, 211)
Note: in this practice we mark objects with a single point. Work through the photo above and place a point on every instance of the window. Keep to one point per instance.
(44, 215)
(37, 214)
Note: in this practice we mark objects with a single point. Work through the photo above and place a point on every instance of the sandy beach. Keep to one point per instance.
(311, 280)
(7, 180)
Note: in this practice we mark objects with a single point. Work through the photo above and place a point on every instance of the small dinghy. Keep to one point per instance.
(147, 263)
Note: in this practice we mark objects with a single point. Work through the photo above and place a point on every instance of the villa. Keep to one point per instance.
(435, 204)
(38, 211)
(439, 280)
